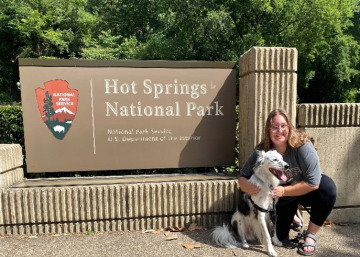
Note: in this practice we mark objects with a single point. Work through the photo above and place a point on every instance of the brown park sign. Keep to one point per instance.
(82, 115)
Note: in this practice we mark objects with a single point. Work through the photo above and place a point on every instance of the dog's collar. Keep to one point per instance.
(257, 207)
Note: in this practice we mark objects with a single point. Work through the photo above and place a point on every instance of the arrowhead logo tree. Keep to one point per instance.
(57, 105)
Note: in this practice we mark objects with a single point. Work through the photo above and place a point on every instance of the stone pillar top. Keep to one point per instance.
(328, 115)
(268, 59)
(267, 82)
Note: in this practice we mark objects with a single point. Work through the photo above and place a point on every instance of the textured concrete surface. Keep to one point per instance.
(268, 80)
(336, 130)
(338, 240)
(117, 207)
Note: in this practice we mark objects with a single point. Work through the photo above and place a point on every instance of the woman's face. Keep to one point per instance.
(279, 131)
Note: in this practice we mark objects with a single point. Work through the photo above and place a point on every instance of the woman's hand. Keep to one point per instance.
(248, 187)
(278, 192)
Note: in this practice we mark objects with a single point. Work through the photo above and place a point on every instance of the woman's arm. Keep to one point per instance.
(247, 186)
(308, 162)
(300, 188)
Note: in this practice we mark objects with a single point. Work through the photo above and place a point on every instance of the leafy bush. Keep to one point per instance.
(11, 125)
(4, 97)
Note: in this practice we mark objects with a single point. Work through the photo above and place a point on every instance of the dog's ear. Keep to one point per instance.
(260, 153)
(260, 158)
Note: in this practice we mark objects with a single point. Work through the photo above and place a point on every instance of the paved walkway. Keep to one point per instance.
(335, 241)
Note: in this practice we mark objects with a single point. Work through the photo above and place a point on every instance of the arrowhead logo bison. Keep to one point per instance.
(57, 105)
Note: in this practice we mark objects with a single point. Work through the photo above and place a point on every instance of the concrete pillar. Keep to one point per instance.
(11, 161)
(336, 130)
(268, 81)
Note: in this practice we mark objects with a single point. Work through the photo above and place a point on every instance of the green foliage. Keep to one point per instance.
(200, 33)
(105, 47)
(44, 28)
(325, 32)
(4, 98)
(336, 72)
(89, 232)
(11, 125)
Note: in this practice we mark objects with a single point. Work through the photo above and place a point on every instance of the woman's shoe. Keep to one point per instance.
(307, 244)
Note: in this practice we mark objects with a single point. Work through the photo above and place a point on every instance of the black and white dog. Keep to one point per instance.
(252, 219)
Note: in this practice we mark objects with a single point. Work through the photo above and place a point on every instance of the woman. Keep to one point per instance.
(306, 185)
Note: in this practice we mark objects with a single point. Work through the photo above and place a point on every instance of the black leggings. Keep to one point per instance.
(321, 202)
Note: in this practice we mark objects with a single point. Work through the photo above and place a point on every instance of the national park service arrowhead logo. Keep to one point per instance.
(57, 105)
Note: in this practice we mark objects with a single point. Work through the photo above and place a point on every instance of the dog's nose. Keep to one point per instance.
(286, 166)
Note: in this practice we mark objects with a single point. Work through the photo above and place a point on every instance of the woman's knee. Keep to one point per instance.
(327, 190)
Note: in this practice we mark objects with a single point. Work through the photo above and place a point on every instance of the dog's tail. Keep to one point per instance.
(223, 236)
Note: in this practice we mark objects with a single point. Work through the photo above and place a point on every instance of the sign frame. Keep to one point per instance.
(207, 102)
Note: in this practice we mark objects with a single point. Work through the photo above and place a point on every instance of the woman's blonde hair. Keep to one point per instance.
(296, 137)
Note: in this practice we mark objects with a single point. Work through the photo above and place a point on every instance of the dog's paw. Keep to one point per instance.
(276, 241)
(245, 245)
(272, 252)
